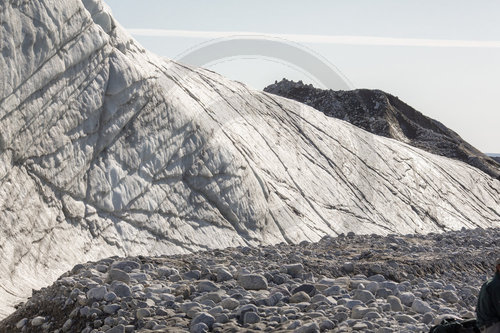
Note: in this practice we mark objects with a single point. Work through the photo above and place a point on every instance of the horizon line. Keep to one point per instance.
(321, 39)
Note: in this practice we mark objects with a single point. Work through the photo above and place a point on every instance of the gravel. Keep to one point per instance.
(344, 284)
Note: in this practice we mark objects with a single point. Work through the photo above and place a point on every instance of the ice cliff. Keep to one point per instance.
(107, 149)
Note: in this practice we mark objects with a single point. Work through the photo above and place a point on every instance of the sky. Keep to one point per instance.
(441, 57)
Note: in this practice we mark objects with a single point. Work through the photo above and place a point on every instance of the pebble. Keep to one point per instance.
(251, 318)
(253, 281)
(21, 323)
(300, 297)
(278, 288)
(230, 303)
(37, 321)
(97, 293)
(294, 269)
(204, 318)
(116, 274)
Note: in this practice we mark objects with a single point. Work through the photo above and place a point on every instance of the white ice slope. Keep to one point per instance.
(106, 149)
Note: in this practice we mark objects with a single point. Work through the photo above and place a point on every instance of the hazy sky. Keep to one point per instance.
(441, 57)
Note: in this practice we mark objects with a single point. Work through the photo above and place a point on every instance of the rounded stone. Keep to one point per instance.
(207, 286)
(449, 296)
(97, 293)
(326, 325)
(309, 328)
(142, 313)
(420, 306)
(223, 275)
(252, 282)
(199, 328)
(274, 299)
(122, 290)
(395, 303)
(363, 295)
(307, 288)
(117, 329)
(230, 303)
(406, 298)
(215, 297)
(251, 317)
(67, 325)
(358, 312)
(116, 274)
(294, 269)
(37, 321)
(204, 318)
(300, 297)
(110, 297)
(21, 323)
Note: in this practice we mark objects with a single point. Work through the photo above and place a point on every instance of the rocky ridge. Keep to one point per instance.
(384, 114)
(366, 283)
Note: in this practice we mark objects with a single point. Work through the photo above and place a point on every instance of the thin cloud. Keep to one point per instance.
(321, 39)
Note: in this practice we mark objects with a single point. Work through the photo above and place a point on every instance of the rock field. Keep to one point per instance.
(366, 283)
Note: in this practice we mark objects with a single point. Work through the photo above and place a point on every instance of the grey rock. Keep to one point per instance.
(307, 288)
(67, 325)
(230, 303)
(274, 299)
(395, 303)
(97, 293)
(326, 325)
(420, 306)
(221, 318)
(428, 318)
(332, 291)
(300, 297)
(192, 275)
(309, 328)
(352, 303)
(358, 312)
(360, 326)
(294, 269)
(251, 317)
(295, 324)
(122, 290)
(449, 296)
(199, 328)
(223, 275)
(111, 308)
(37, 321)
(246, 308)
(21, 323)
(383, 293)
(207, 286)
(215, 297)
(364, 296)
(205, 318)
(110, 296)
(116, 274)
(403, 318)
(253, 282)
(117, 329)
(406, 298)
(185, 307)
(142, 313)
(126, 265)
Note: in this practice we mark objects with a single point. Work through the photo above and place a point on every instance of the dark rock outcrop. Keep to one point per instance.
(384, 114)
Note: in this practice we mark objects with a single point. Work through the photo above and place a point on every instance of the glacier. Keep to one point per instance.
(107, 149)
